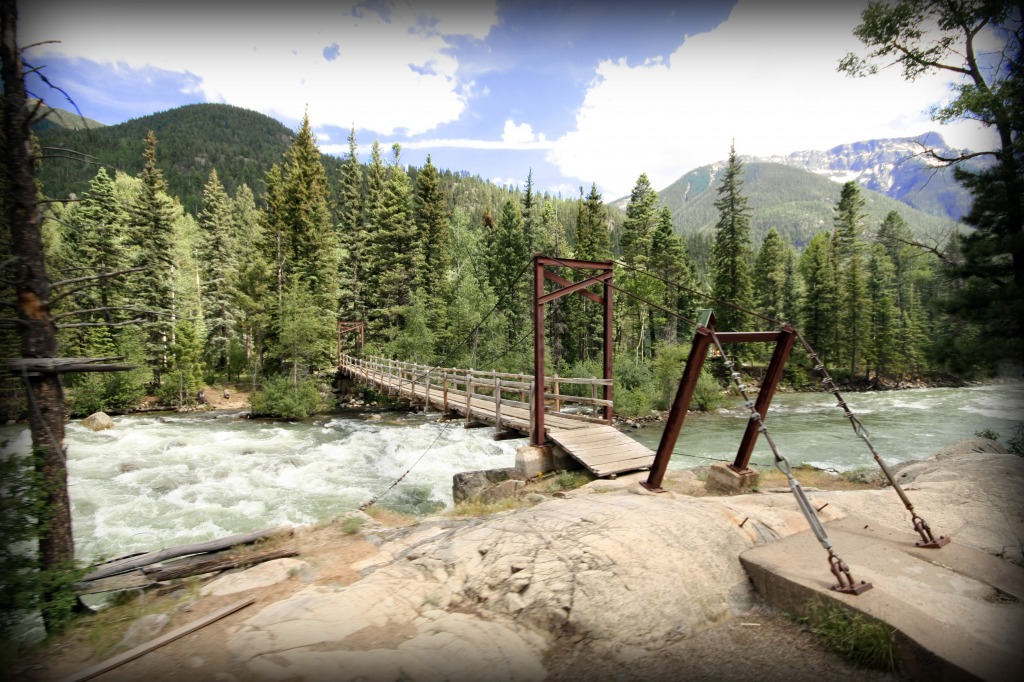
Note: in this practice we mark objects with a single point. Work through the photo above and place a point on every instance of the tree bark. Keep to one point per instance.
(37, 331)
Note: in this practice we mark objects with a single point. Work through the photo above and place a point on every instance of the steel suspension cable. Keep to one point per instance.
(373, 500)
(920, 525)
(838, 567)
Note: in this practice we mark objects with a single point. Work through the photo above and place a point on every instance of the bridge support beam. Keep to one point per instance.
(540, 275)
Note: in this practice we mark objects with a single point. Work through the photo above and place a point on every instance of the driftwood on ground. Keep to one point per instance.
(139, 578)
(139, 560)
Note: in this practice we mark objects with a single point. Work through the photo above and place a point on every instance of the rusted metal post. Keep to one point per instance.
(676, 416)
(783, 347)
(537, 435)
(608, 348)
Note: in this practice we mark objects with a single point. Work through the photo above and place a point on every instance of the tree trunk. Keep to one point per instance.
(38, 334)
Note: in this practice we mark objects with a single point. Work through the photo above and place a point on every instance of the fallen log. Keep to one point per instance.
(141, 578)
(212, 565)
(138, 561)
(135, 580)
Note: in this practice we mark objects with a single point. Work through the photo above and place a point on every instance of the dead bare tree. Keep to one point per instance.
(32, 286)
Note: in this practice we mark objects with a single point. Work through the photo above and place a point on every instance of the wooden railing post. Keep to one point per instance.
(469, 396)
(444, 392)
(497, 403)
(426, 395)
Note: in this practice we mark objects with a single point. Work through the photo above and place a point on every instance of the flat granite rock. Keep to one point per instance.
(615, 575)
(262, 575)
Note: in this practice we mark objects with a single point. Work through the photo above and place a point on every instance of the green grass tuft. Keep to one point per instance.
(864, 641)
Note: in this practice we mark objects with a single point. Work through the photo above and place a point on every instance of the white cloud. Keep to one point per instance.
(279, 59)
(766, 77)
(520, 134)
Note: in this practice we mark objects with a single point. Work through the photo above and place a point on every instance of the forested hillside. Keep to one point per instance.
(240, 144)
(251, 282)
(795, 202)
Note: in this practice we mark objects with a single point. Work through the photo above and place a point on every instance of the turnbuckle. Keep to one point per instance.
(842, 573)
(928, 540)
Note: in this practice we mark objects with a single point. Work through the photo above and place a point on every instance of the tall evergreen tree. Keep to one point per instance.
(849, 226)
(882, 348)
(395, 248)
(507, 257)
(642, 217)
(731, 253)
(103, 245)
(583, 322)
(770, 276)
(152, 219)
(433, 223)
(252, 281)
(669, 261)
(819, 305)
(351, 233)
(217, 267)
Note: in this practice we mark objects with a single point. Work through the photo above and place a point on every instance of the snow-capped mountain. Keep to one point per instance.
(897, 167)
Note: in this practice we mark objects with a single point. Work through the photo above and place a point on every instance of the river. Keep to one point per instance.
(156, 481)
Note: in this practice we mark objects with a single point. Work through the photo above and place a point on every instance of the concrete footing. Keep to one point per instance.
(533, 460)
(723, 477)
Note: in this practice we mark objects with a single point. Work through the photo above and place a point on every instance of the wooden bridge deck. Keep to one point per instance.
(601, 448)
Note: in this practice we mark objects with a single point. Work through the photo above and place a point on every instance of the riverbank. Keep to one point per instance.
(599, 582)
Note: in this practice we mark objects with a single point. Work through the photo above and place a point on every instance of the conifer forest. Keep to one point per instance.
(435, 264)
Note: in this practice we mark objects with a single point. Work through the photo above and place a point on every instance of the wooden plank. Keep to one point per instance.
(617, 457)
(598, 448)
(591, 435)
(134, 653)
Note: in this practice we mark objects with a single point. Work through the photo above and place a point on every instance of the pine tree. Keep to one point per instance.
(592, 239)
(882, 349)
(102, 246)
(849, 225)
(642, 217)
(351, 234)
(152, 219)
(217, 271)
(731, 252)
(584, 322)
(507, 258)
(770, 276)
(533, 238)
(314, 245)
(670, 262)
(397, 259)
(373, 256)
(819, 306)
(252, 281)
(433, 223)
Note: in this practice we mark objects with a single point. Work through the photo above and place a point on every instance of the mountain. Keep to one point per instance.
(798, 203)
(241, 144)
(895, 167)
(60, 118)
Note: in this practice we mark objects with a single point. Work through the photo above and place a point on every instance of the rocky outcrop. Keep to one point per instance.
(471, 484)
(614, 575)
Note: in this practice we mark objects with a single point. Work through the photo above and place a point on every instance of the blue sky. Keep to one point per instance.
(579, 92)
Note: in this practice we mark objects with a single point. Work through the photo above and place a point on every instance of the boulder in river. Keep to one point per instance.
(98, 421)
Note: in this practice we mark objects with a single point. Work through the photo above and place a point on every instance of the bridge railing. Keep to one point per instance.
(499, 388)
